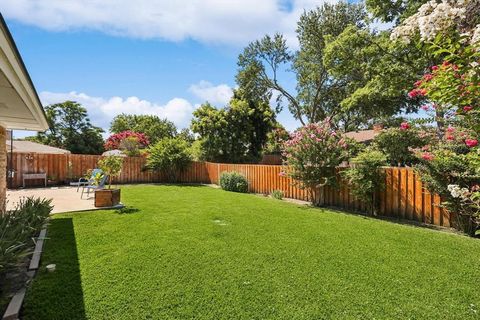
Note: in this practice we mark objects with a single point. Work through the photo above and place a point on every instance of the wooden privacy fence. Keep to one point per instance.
(62, 168)
(404, 195)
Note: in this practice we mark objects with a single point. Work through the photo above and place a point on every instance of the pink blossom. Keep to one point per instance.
(428, 77)
(417, 93)
(427, 156)
(471, 142)
(450, 129)
(434, 68)
(425, 107)
(467, 108)
(404, 126)
(282, 174)
(418, 83)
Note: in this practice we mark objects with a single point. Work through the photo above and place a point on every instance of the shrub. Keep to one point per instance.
(170, 156)
(18, 227)
(442, 167)
(277, 194)
(365, 177)
(233, 181)
(311, 155)
(397, 144)
(111, 166)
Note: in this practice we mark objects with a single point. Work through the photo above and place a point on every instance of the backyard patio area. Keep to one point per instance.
(184, 252)
(64, 199)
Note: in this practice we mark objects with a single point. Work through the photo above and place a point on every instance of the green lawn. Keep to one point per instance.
(197, 252)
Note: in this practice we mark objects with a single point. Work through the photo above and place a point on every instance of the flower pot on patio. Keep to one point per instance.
(107, 197)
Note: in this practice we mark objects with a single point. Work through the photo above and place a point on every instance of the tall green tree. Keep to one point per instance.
(393, 10)
(376, 72)
(236, 133)
(152, 126)
(71, 129)
(317, 94)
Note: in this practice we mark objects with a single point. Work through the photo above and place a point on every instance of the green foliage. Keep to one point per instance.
(277, 194)
(454, 85)
(397, 144)
(233, 181)
(275, 140)
(365, 177)
(152, 126)
(111, 166)
(196, 151)
(71, 129)
(375, 72)
(18, 227)
(311, 155)
(170, 156)
(317, 93)
(393, 10)
(444, 167)
(130, 146)
(236, 133)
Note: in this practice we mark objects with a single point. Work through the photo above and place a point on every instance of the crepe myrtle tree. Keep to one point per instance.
(311, 155)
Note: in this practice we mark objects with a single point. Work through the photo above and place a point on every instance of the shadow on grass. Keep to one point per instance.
(59, 294)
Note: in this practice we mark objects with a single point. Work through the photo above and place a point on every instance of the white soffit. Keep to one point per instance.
(20, 107)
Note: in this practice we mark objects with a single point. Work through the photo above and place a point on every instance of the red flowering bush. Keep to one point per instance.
(126, 140)
(311, 155)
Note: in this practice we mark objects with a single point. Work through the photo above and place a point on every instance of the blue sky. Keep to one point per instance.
(144, 56)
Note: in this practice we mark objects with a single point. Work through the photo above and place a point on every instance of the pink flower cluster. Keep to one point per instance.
(471, 143)
(114, 141)
(404, 126)
(417, 93)
(313, 136)
(427, 156)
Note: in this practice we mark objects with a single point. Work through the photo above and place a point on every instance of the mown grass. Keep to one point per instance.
(189, 252)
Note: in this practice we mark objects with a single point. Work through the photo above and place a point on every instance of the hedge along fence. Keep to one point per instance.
(404, 195)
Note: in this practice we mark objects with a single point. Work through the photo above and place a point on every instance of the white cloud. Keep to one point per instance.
(217, 95)
(102, 111)
(218, 21)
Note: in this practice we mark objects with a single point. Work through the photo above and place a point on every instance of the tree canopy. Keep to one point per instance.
(152, 126)
(317, 94)
(393, 10)
(376, 73)
(71, 129)
(236, 133)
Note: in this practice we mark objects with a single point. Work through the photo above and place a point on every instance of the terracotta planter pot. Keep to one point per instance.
(107, 197)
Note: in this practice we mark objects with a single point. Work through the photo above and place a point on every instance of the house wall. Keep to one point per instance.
(3, 167)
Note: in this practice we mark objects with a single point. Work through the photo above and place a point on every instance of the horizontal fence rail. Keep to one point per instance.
(404, 195)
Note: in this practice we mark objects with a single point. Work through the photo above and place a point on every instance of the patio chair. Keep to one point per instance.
(82, 182)
(94, 187)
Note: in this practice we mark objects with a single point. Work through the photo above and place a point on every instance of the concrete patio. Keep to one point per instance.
(64, 199)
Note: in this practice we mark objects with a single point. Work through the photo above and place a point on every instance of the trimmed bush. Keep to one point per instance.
(277, 194)
(233, 181)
